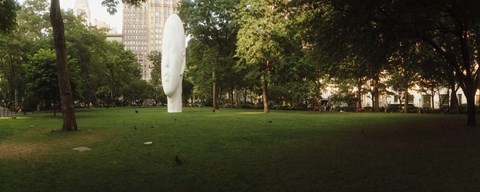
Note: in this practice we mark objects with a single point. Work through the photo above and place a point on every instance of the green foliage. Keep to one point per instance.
(262, 27)
(213, 29)
(95, 65)
(8, 15)
(344, 96)
(155, 58)
(120, 68)
(112, 4)
(13, 53)
(33, 20)
(137, 91)
(41, 75)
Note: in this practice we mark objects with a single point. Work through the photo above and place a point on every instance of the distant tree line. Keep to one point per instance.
(101, 73)
(256, 52)
(286, 52)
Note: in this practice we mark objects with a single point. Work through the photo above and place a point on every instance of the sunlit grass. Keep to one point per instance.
(239, 150)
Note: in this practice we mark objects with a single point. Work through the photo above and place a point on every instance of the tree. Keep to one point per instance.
(40, 73)
(137, 91)
(433, 77)
(7, 15)
(112, 4)
(33, 20)
(66, 95)
(8, 60)
(210, 59)
(262, 29)
(121, 68)
(449, 27)
(344, 41)
(29, 35)
(155, 58)
(12, 55)
(404, 69)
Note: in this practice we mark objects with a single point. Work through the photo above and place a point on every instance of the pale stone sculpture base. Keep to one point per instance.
(174, 104)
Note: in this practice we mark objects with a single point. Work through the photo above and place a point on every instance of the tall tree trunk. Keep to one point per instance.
(16, 100)
(359, 94)
(245, 97)
(214, 92)
(454, 106)
(54, 109)
(66, 95)
(405, 105)
(376, 95)
(233, 99)
(470, 90)
(264, 88)
(237, 98)
(432, 99)
(471, 111)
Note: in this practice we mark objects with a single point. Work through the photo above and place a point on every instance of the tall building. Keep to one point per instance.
(81, 8)
(142, 29)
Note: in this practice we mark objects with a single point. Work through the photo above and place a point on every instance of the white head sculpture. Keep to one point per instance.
(173, 62)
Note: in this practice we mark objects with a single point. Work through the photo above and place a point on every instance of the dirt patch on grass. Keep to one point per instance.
(10, 151)
(22, 147)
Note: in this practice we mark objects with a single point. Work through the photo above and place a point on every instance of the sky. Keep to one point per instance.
(97, 12)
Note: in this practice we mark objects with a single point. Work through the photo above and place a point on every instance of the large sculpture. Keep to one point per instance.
(173, 62)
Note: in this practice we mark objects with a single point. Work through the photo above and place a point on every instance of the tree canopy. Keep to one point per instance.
(280, 53)
(7, 15)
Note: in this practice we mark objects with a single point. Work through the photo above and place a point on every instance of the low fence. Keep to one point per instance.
(5, 112)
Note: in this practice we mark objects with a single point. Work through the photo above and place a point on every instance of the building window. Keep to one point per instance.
(444, 100)
(426, 101)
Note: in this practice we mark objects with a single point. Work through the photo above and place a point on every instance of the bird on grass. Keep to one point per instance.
(135, 127)
(136, 111)
(178, 161)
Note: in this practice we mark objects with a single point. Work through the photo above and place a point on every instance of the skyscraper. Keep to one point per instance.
(143, 27)
(81, 8)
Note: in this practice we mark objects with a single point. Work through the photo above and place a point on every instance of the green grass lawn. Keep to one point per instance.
(239, 150)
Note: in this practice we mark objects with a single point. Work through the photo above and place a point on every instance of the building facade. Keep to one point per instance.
(142, 29)
(81, 9)
(420, 99)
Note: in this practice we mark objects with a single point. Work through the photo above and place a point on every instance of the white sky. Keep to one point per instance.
(97, 12)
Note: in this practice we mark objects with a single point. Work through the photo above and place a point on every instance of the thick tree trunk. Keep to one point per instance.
(470, 91)
(469, 81)
(66, 95)
(454, 106)
(471, 111)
